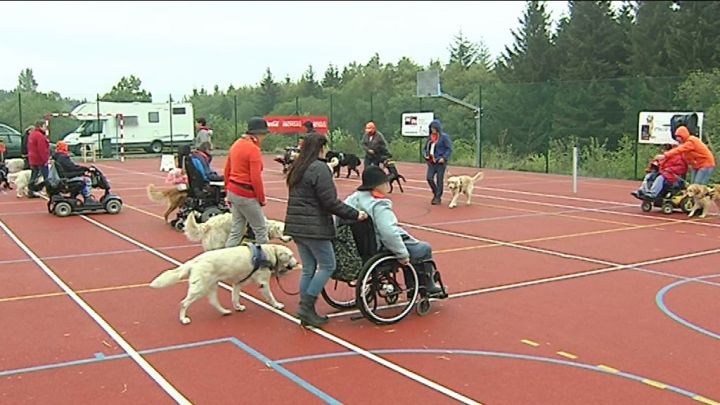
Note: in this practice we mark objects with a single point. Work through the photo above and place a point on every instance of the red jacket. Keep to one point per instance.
(673, 167)
(38, 148)
(243, 169)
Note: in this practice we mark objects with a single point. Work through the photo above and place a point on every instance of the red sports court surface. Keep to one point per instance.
(555, 298)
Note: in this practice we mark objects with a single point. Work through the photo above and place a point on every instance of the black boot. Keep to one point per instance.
(307, 313)
(425, 273)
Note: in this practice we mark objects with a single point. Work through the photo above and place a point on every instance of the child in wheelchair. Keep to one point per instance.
(70, 170)
(371, 198)
(662, 175)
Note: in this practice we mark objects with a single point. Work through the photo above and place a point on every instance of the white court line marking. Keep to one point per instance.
(370, 356)
(154, 374)
(533, 214)
(106, 253)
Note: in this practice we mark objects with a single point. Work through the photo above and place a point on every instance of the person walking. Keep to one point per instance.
(309, 220)
(244, 184)
(374, 144)
(437, 151)
(38, 146)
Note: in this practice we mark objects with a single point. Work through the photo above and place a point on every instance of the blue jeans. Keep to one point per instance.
(702, 176)
(436, 178)
(318, 264)
(37, 171)
(420, 251)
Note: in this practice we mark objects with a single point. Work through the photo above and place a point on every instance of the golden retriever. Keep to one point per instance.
(21, 180)
(235, 265)
(15, 165)
(703, 196)
(172, 197)
(214, 232)
(462, 184)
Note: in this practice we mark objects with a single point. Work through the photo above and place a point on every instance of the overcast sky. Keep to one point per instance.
(80, 49)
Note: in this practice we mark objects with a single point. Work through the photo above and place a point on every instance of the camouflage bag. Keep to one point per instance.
(349, 263)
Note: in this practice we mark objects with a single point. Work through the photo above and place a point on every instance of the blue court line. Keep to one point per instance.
(287, 373)
(502, 355)
(660, 302)
(101, 357)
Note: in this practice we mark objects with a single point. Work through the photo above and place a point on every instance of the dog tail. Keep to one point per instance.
(170, 277)
(478, 176)
(193, 231)
(154, 194)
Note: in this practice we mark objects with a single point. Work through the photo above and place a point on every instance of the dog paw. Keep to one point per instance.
(226, 312)
(452, 205)
(185, 320)
(278, 305)
(239, 307)
(286, 239)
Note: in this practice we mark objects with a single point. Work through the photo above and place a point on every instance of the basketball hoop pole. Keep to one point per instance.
(478, 122)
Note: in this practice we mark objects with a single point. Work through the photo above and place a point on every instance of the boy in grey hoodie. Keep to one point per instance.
(203, 137)
(371, 197)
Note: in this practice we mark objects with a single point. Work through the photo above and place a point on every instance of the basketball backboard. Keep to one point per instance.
(428, 84)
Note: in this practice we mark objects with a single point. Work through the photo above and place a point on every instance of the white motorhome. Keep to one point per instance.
(146, 125)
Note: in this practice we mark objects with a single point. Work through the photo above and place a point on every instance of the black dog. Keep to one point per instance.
(4, 183)
(393, 175)
(349, 160)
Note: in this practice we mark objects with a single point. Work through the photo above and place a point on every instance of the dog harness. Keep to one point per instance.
(259, 259)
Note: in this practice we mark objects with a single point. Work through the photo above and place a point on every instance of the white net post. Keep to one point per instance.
(122, 137)
(575, 168)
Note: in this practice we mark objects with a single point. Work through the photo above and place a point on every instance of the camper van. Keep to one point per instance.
(149, 126)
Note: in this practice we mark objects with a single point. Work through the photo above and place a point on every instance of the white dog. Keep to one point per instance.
(21, 180)
(14, 165)
(462, 184)
(238, 266)
(214, 232)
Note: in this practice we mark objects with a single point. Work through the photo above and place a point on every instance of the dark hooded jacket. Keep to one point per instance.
(443, 148)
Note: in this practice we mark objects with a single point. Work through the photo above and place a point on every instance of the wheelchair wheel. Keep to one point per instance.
(209, 213)
(686, 204)
(62, 209)
(339, 294)
(423, 306)
(386, 291)
(113, 206)
(667, 208)
(646, 206)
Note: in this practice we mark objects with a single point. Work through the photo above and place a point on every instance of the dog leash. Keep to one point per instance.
(281, 287)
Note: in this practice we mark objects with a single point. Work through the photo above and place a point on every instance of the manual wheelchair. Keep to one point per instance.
(370, 278)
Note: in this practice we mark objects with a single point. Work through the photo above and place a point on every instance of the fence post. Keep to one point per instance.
(371, 106)
(171, 122)
(20, 111)
(420, 144)
(330, 120)
(236, 120)
(99, 134)
(479, 128)
(635, 152)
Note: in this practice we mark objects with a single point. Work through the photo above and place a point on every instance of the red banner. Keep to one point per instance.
(290, 124)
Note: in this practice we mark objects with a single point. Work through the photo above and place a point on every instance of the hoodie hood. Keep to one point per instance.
(436, 124)
(682, 134)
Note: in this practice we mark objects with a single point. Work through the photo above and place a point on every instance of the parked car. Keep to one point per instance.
(12, 139)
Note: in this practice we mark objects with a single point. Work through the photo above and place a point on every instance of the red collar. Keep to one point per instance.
(204, 129)
(377, 194)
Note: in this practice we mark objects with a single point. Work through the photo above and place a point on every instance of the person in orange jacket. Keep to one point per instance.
(696, 154)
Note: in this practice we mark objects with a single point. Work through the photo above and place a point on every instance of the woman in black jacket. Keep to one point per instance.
(309, 220)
